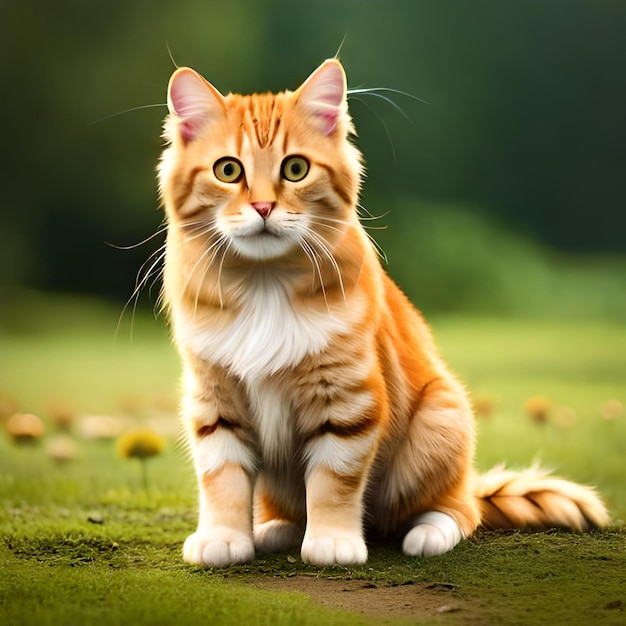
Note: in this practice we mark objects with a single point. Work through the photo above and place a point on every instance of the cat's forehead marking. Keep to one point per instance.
(261, 116)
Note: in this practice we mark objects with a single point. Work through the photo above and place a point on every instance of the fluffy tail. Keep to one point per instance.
(533, 498)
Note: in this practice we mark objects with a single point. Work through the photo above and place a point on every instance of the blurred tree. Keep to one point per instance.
(524, 118)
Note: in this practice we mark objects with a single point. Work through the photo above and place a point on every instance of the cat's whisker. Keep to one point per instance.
(201, 228)
(340, 46)
(205, 271)
(368, 219)
(324, 224)
(215, 248)
(197, 225)
(361, 210)
(143, 275)
(366, 228)
(161, 304)
(376, 91)
(377, 247)
(140, 282)
(383, 124)
(310, 252)
(199, 286)
(160, 252)
(220, 253)
(322, 245)
(157, 276)
(370, 216)
(161, 229)
(200, 260)
(119, 113)
(379, 251)
(187, 224)
(154, 270)
(219, 273)
(204, 232)
(224, 244)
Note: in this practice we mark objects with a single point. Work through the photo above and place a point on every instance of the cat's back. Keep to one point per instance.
(407, 350)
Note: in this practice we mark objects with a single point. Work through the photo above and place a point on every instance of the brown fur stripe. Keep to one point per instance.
(207, 430)
(354, 429)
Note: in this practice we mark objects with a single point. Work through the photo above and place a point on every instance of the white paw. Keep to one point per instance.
(277, 536)
(218, 547)
(434, 533)
(345, 549)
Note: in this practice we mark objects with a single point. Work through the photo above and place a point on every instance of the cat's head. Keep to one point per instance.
(264, 176)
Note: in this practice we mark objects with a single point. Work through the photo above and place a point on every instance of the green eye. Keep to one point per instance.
(295, 168)
(228, 170)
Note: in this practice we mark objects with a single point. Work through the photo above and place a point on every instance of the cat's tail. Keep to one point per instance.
(533, 498)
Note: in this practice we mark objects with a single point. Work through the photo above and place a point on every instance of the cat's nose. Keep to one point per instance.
(263, 208)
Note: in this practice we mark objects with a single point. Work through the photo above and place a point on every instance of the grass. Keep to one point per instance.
(84, 542)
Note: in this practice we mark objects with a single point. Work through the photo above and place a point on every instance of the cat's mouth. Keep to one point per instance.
(263, 241)
(266, 229)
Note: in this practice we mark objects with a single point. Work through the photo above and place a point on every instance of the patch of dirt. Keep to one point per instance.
(378, 599)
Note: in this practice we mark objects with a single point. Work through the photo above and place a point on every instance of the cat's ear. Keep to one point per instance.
(193, 100)
(323, 95)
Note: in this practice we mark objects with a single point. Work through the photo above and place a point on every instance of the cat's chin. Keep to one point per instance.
(263, 246)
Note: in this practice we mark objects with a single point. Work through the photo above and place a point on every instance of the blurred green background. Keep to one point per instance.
(504, 194)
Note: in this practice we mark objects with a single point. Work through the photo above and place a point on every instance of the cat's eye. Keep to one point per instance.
(228, 170)
(295, 168)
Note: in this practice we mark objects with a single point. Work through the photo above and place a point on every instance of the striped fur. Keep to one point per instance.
(533, 498)
(315, 402)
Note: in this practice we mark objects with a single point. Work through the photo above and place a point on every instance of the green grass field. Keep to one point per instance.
(84, 543)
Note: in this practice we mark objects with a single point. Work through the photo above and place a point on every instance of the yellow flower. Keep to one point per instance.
(538, 408)
(140, 444)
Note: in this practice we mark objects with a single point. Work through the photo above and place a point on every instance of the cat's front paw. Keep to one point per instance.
(433, 534)
(218, 547)
(277, 536)
(342, 549)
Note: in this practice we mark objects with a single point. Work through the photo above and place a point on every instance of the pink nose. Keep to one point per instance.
(263, 208)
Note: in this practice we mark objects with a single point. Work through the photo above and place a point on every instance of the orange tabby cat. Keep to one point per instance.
(315, 402)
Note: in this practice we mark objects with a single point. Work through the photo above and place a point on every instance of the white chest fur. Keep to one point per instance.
(267, 334)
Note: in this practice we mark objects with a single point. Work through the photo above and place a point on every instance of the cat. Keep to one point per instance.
(315, 404)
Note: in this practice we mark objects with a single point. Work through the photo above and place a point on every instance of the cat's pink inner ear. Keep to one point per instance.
(323, 94)
(193, 100)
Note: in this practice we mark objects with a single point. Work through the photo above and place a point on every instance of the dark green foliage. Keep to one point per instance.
(524, 117)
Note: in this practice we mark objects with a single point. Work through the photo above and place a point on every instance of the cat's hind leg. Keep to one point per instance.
(277, 535)
(278, 512)
(433, 533)
(429, 474)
